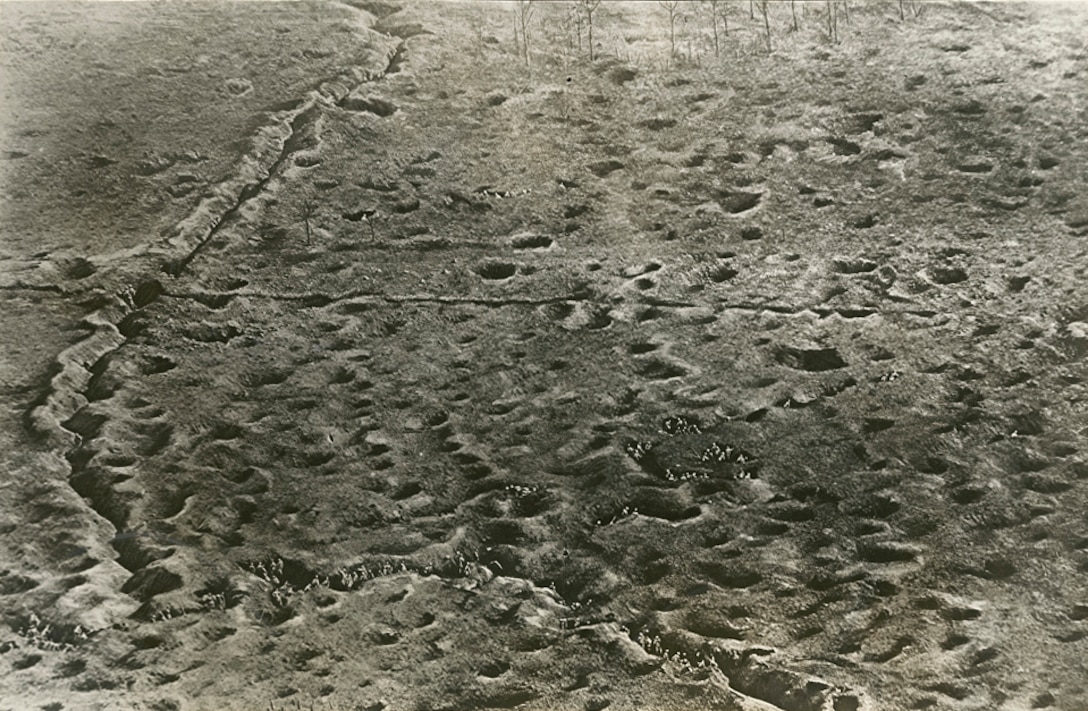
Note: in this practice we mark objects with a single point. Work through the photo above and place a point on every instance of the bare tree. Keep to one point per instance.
(673, 8)
(764, 9)
(916, 8)
(723, 14)
(832, 21)
(574, 17)
(589, 7)
(714, 10)
(568, 25)
(308, 210)
(523, 13)
(793, 11)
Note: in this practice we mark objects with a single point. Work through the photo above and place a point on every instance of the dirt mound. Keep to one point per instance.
(369, 104)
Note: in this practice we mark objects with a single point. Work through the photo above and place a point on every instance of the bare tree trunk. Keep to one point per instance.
(525, 41)
(308, 209)
(525, 15)
(832, 21)
(763, 9)
(589, 7)
(714, 27)
(793, 10)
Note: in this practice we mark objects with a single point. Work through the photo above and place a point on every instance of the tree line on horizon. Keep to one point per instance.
(713, 19)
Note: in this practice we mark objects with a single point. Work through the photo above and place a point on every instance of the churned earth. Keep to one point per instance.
(350, 363)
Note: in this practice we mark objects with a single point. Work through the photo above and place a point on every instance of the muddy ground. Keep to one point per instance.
(351, 363)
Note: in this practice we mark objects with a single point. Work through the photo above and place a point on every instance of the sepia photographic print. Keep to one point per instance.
(443, 355)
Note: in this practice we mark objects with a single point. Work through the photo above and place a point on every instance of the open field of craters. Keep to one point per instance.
(353, 360)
